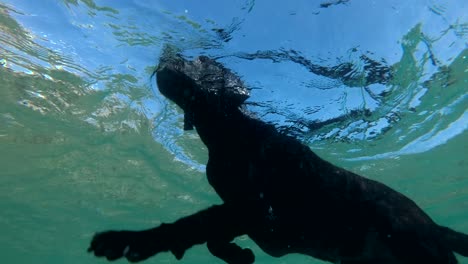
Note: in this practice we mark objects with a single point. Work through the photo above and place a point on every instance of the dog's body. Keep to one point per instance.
(277, 191)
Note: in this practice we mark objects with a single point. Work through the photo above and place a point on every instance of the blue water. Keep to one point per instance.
(87, 143)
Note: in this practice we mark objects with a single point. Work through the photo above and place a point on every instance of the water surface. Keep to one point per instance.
(87, 143)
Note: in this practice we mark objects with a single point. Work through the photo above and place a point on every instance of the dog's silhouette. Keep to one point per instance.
(277, 191)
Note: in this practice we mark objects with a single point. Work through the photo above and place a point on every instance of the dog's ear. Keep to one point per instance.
(234, 90)
(219, 83)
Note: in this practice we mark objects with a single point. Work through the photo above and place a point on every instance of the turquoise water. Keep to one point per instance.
(87, 143)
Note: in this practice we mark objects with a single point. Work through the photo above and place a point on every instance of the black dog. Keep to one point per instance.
(277, 191)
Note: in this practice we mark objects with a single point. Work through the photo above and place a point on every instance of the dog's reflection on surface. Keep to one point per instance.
(277, 191)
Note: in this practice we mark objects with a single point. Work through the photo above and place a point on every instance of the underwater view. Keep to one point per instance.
(88, 143)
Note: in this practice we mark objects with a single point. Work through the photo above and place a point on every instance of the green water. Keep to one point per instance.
(64, 176)
(63, 179)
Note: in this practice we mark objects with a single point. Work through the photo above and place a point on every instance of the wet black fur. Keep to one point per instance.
(277, 191)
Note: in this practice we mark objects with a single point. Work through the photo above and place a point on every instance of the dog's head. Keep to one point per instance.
(198, 83)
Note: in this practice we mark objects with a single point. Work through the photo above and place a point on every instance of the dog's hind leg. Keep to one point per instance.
(409, 249)
(454, 240)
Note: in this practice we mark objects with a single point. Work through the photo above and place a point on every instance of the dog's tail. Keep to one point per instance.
(454, 240)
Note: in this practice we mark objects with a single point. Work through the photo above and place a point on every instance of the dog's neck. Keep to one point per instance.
(232, 128)
(217, 126)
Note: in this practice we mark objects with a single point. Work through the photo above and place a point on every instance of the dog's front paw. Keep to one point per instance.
(135, 246)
